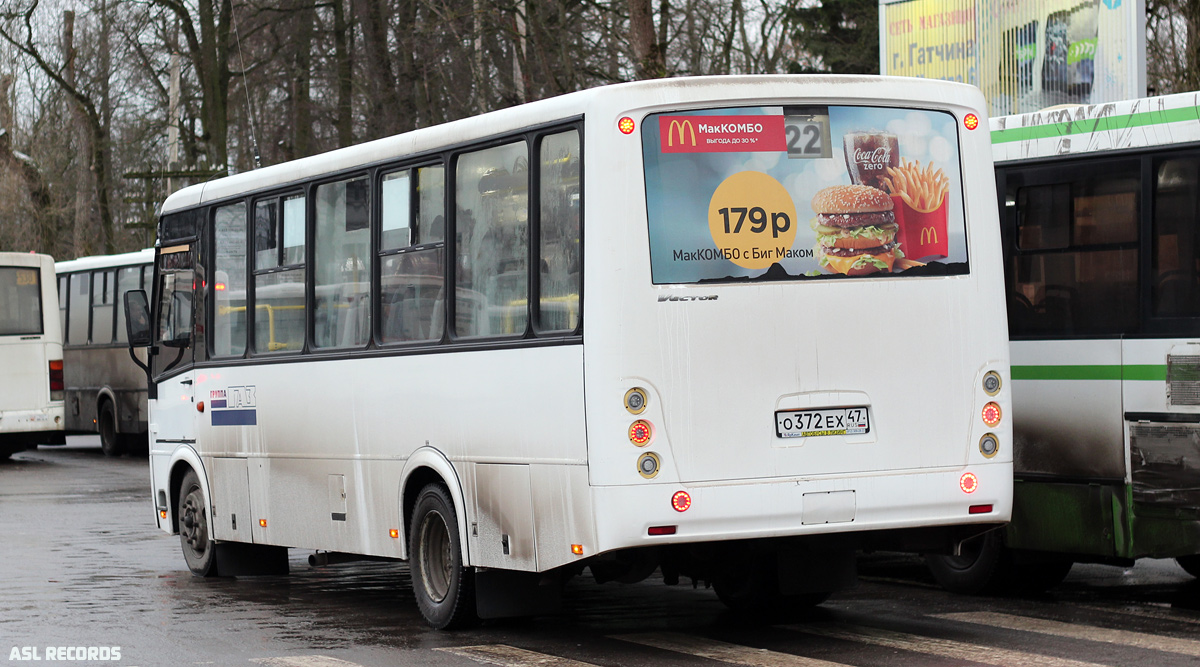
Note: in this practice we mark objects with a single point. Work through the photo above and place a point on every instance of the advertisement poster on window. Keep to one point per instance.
(801, 193)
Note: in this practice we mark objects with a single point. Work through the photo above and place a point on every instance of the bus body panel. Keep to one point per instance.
(355, 429)
(1067, 405)
(26, 406)
(830, 355)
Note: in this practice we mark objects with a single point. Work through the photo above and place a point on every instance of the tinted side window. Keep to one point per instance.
(229, 284)
(343, 264)
(412, 252)
(1175, 290)
(279, 274)
(80, 308)
(1075, 268)
(559, 233)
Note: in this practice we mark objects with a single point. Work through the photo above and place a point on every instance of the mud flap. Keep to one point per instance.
(510, 593)
(237, 559)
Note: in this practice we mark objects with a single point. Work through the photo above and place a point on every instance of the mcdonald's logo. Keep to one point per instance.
(685, 129)
(929, 235)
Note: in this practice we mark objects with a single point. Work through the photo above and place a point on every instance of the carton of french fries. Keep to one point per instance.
(920, 194)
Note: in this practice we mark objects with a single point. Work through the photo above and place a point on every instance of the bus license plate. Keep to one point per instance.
(826, 421)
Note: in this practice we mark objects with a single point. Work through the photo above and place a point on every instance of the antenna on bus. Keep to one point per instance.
(249, 109)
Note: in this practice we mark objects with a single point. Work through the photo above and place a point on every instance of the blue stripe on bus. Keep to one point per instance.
(235, 418)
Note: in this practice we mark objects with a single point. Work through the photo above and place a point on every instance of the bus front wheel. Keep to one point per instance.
(110, 441)
(444, 588)
(194, 536)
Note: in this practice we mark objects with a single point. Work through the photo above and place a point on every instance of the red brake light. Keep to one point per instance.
(991, 414)
(969, 483)
(220, 287)
(625, 125)
(640, 432)
(980, 509)
(971, 121)
(56, 375)
(661, 530)
(681, 501)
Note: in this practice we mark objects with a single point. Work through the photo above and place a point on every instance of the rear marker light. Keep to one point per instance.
(640, 432)
(661, 530)
(991, 414)
(635, 400)
(971, 121)
(989, 445)
(200, 406)
(648, 465)
(991, 383)
(56, 380)
(968, 482)
(577, 549)
(162, 513)
(625, 125)
(395, 534)
(262, 522)
(681, 501)
(980, 509)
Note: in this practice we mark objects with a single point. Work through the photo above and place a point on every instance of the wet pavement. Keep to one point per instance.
(82, 566)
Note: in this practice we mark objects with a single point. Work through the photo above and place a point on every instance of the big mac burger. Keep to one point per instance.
(856, 229)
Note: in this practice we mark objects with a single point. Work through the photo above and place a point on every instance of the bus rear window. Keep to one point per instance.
(20, 301)
(793, 193)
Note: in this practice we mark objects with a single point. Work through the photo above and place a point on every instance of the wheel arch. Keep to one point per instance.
(183, 460)
(428, 465)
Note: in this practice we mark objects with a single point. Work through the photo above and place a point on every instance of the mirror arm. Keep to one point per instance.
(178, 356)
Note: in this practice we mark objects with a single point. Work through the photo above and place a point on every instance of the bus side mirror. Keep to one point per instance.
(137, 318)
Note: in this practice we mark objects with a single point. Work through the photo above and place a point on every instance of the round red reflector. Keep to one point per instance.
(991, 414)
(968, 482)
(681, 501)
(640, 432)
(625, 125)
(971, 121)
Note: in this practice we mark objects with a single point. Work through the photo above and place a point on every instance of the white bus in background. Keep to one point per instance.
(31, 354)
(105, 389)
(1101, 228)
(782, 356)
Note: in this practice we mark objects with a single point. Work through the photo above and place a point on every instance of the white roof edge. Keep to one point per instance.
(548, 110)
(104, 261)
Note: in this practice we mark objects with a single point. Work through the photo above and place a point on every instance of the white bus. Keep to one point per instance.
(31, 354)
(105, 389)
(684, 324)
(1101, 228)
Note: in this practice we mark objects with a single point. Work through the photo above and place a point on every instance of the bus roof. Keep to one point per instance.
(104, 261)
(1150, 121)
(665, 93)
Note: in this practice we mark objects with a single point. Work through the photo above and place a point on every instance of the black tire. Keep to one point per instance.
(445, 590)
(1190, 564)
(199, 550)
(983, 567)
(106, 422)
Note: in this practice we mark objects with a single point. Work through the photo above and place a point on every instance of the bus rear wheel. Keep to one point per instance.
(980, 568)
(198, 548)
(110, 441)
(444, 589)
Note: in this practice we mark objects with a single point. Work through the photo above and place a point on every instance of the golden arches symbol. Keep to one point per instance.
(929, 235)
(685, 128)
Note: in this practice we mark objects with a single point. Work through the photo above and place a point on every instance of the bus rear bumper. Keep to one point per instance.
(882, 504)
(46, 420)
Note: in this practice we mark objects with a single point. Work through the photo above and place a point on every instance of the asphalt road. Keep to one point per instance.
(85, 575)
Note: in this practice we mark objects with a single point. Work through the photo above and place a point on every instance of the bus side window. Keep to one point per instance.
(128, 278)
(279, 274)
(64, 295)
(176, 283)
(558, 252)
(343, 264)
(492, 242)
(103, 286)
(1175, 291)
(412, 248)
(229, 282)
(80, 308)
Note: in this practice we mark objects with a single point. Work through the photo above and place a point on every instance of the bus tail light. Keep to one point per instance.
(991, 414)
(661, 530)
(640, 432)
(969, 483)
(56, 380)
(681, 501)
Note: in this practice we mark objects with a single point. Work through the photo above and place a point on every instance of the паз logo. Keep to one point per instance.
(929, 235)
(685, 128)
